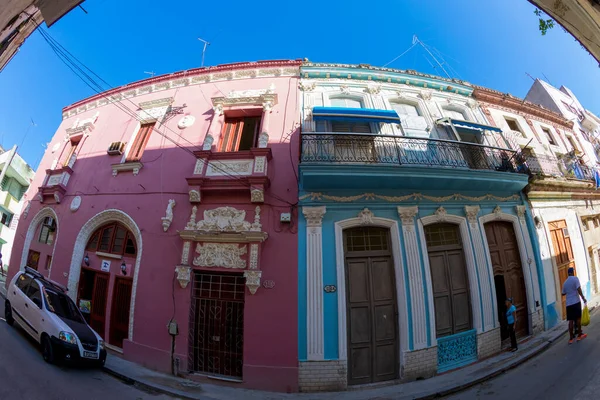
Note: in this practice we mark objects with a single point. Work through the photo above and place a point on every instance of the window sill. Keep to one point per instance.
(109, 255)
(134, 166)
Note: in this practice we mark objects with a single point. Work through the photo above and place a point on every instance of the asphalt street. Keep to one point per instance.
(25, 375)
(569, 372)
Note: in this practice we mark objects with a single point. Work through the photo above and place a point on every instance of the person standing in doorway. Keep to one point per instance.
(511, 319)
(572, 289)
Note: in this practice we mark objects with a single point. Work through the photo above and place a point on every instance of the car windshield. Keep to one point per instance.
(62, 305)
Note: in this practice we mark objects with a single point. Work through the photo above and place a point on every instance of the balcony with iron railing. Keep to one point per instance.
(346, 160)
(540, 166)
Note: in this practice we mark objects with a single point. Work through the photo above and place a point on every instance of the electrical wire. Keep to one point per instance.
(64, 54)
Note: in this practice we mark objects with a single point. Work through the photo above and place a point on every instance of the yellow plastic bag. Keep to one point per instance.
(585, 316)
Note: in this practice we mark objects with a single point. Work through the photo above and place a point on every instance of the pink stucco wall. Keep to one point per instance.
(270, 326)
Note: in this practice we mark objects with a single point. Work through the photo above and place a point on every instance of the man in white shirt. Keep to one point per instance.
(572, 289)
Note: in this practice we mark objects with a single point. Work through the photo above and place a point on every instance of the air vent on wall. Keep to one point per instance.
(116, 148)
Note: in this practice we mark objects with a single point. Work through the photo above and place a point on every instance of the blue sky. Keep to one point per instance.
(493, 43)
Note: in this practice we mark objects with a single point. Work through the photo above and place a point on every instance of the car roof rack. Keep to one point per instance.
(46, 281)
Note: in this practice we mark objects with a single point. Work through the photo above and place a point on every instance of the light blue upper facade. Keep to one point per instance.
(429, 169)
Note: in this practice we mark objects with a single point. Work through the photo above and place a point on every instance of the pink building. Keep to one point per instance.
(167, 206)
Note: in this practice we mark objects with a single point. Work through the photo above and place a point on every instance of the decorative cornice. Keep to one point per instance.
(196, 76)
(513, 104)
(167, 101)
(265, 98)
(316, 196)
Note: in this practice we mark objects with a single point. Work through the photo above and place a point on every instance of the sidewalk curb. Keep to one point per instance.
(152, 387)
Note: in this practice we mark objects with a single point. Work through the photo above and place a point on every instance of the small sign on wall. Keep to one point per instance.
(105, 266)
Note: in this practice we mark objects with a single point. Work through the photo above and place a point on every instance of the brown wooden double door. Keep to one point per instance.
(563, 255)
(372, 315)
(508, 275)
(93, 288)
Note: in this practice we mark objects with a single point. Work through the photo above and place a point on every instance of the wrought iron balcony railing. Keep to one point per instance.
(552, 166)
(344, 148)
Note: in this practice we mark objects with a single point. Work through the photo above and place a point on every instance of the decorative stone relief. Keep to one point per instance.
(345, 89)
(472, 104)
(257, 196)
(57, 198)
(218, 109)
(267, 106)
(26, 210)
(191, 225)
(183, 275)
(186, 122)
(194, 196)
(208, 141)
(441, 214)
(373, 89)
(225, 255)
(425, 94)
(263, 140)
(252, 280)
(521, 211)
(314, 215)
(224, 219)
(229, 167)
(168, 218)
(307, 86)
(497, 212)
(259, 164)
(407, 215)
(199, 167)
(185, 253)
(75, 203)
(253, 256)
(471, 213)
(366, 217)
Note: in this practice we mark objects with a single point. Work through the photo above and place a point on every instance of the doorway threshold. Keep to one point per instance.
(113, 348)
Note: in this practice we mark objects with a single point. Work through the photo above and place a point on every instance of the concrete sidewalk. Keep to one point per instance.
(438, 386)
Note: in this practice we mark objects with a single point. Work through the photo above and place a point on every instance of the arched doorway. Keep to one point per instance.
(40, 241)
(105, 281)
(508, 274)
(371, 306)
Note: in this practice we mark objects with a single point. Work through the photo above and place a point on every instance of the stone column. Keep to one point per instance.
(267, 107)
(415, 276)
(314, 282)
(486, 276)
(183, 270)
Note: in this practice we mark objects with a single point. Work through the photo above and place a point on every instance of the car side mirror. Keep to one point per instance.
(37, 302)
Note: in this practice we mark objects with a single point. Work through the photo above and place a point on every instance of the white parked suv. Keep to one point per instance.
(45, 311)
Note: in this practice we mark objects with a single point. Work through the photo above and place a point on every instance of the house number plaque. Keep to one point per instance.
(330, 289)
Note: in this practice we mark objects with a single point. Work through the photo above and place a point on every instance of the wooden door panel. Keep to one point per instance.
(443, 315)
(506, 261)
(563, 256)
(361, 361)
(360, 325)
(439, 274)
(119, 314)
(383, 284)
(99, 297)
(357, 281)
(385, 326)
(462, 316)
(385, 366)
(458, 272)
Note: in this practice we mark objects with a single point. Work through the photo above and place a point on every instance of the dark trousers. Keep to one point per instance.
(513, 336)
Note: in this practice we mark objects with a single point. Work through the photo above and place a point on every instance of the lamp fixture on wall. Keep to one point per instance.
(124, 268)
(86, 260)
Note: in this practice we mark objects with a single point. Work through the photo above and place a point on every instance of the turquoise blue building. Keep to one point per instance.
(413, 230)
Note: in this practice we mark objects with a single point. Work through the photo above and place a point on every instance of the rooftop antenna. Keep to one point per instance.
(151, 73)
(416, 41)
(206, 44)
(532, 78)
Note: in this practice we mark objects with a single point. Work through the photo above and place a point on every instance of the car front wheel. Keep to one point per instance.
(8, 314)
(47, 351)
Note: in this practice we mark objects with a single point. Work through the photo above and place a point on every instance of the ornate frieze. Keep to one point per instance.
(194, 196)
(224, 219)
(441, 213)
(497, 212)
(185, 253)
(229, 167)
(260, 164)
(254, 256)
(257, 196)
(316, 196)
(407, 215)
(471, 213)
(224, 255)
